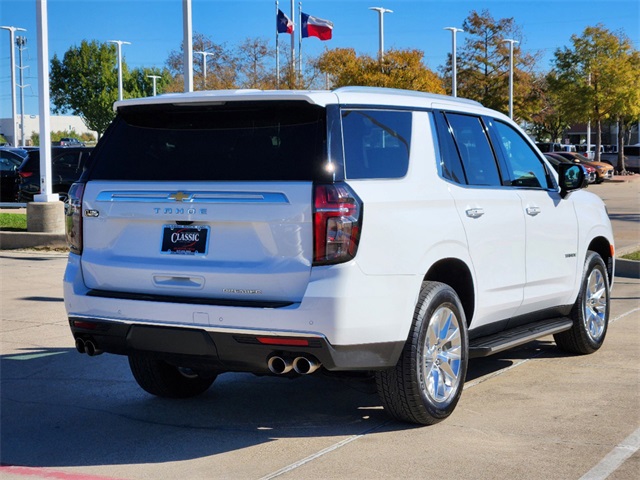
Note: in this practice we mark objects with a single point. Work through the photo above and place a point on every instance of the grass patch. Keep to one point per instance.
(13, 222)
(632, 256)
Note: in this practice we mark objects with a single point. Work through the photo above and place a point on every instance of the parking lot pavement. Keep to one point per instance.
(530, 413)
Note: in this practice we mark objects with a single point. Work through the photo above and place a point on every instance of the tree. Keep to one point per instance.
(400, 69)
(483, 66)
(548, 124)
(597, 79)
(253, 55)
(222, 71)
(138, 83)
(85, 82)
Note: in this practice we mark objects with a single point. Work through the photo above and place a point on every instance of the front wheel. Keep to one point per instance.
(590, 313)
(425, 385)
(165, 380)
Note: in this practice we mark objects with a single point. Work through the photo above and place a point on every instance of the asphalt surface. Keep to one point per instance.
(529, 413)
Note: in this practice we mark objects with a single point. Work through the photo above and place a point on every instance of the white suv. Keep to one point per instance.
(289, 232)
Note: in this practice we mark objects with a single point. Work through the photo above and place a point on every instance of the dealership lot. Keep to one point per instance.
(528, 413)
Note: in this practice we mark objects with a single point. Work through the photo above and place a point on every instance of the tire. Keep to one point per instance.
(590, 313)
(425, 385)
(159, 378)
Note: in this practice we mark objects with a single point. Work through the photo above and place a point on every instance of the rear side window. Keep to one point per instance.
(376, 143)
(240, 141)
(475, 151)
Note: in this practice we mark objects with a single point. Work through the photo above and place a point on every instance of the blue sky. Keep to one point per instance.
(154, 28)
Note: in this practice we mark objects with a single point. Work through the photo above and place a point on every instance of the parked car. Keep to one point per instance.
(603, 170)
(631, 158)
(556, 159)
(67, 164)
(10, 160)
(360, 230)
(70, 142)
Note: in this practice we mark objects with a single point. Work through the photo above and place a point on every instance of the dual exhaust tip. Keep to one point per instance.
(300, 365)
(87, 346)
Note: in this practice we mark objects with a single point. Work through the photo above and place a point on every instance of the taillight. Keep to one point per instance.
(73, 217)
(25, 174)
(337, 219)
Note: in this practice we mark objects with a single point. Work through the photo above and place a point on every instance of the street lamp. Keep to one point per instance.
(204, 67)
(20, 43)
(119, 43)
(381, 11)
(454, 82)
(12, 33)
(154, 78)
(511, 42)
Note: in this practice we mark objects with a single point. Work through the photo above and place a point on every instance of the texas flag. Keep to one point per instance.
(283, 23)
(316, 27)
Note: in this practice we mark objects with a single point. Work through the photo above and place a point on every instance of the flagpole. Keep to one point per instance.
(293, 41)
(299, 39)
(277, 50)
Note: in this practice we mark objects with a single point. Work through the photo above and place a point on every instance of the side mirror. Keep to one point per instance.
(571, 178)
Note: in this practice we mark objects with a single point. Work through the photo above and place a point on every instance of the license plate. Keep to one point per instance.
(185, 240)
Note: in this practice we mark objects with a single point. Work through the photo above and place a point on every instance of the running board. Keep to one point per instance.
(485, 346)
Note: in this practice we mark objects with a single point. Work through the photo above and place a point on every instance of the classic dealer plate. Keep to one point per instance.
(185, 240)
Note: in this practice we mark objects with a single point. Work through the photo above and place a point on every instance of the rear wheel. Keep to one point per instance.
(165, 380)
(426, 384)
(590, 313)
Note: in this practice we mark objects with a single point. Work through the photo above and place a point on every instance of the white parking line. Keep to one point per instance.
(615, 458)
(609, 464)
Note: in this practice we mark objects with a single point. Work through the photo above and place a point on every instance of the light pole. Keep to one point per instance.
(381, 11)
(454, 81)
(20, 43)
(154, 78)
(12, 33)
(187, 41)
(119, 43)
(204, 67)
(511, 42)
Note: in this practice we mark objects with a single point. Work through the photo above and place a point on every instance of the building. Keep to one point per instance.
(69, 123)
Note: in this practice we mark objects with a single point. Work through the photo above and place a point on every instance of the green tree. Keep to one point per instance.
(548, 124)
(138, 83)
(85, 82)
(597, 79)
(483, 66)
(399, 69)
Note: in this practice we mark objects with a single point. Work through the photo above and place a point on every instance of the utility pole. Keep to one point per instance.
(381, 11)
(20, 43)
(511, 42)
(119, 43)
(12, 33)
(454, 81)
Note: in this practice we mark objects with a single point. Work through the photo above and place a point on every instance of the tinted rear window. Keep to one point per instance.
(235, 142)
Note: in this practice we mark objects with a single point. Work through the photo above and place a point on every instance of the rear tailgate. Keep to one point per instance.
(243, 241)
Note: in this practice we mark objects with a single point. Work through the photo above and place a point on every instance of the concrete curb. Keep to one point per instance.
(16, 240)
(627, 268)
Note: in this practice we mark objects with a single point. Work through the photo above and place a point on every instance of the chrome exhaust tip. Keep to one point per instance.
(80, 346)
(305, 366)
(91, 349)
(279, 365)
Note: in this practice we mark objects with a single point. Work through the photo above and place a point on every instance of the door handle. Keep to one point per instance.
(474, 212)
(533, 211)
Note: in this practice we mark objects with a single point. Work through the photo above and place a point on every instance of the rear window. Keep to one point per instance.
(242, 141)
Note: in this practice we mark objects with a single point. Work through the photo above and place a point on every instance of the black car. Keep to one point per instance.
(10, 160)
(67, 164)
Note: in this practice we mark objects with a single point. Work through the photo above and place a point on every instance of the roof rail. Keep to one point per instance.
(399, 91)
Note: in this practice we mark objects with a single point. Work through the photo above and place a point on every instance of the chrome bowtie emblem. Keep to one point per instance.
(179, 196)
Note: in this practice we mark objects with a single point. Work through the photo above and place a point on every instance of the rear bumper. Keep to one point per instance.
(224, 351)
(352, 321)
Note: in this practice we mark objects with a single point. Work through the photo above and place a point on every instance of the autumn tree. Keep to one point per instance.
(597, 79)
(85, 82)
(483, 66)
(399, 69)
(548, 123)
